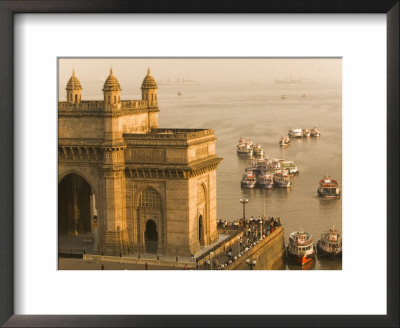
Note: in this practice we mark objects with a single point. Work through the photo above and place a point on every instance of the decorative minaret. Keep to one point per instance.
(74, 89)
(149, 90)
(112, 93)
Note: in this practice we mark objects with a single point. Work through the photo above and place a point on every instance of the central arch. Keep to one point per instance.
(151, 237)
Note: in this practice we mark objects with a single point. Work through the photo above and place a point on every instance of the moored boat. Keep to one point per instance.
(245, 147)
(258, 150)
(249, 180)
(284, 141)
(300, 248)
(295, 133)
(265, 180)
(315, 132)
(306, 133)
(281, 179)
(328, 188)
(330, 243)
(290, 166)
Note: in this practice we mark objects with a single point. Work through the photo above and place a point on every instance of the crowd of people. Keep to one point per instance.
(256, 229)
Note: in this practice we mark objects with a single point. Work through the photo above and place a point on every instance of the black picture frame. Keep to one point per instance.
(7, 10)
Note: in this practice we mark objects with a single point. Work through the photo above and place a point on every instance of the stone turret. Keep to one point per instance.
(74, 89)
(149, 90)
(112, 93)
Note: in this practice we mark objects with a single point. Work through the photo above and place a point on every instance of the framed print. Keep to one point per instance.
(118, 209)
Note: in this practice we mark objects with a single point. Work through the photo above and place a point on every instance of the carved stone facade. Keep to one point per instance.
(127, 186)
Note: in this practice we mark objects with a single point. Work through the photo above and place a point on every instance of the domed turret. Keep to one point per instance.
(74, 89)
(149, 90)
(112, 92)
(111, 83)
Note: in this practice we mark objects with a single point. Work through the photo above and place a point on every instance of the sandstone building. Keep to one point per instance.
(128, 186)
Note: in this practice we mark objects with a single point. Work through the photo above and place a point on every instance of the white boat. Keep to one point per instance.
(315, 132)
(284, 141)
(281, 179)
(330, 243)
(258, 150)
(265, 180)
(249, 180)
(295, 133)
(300, 248)
(328, 188)
(306, 133)
(290, 166)
(245, 147)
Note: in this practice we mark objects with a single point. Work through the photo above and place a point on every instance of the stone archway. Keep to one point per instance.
(202, 214)
(151, 237)
(201, 231)
(150, 221)
(76, 215)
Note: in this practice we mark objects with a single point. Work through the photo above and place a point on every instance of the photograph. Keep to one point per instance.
(199, 164)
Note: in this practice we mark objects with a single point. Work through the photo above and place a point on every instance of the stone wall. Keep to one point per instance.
(269, 253)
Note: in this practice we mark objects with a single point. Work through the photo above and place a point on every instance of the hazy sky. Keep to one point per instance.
(130, 71)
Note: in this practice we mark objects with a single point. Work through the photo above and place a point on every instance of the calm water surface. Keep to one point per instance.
(258, 112)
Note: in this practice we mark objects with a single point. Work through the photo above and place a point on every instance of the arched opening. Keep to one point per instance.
(76, 98)
(201, 231)
(151, 237)
(150, 222)
(115, 99)
(202, 212)
(77, 215)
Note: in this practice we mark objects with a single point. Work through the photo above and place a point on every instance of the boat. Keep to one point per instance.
(289, 166)
(265, 180)
(300, 248)
(258, 150)
(281, 179)
(306, 133)
(249, 180)
(315, 132)
(284, 141)
(178, 81)
(294, 81)
(179, 93)
(253, 165)
(295, 133)
(245, 147)
(328, 188)
(330, 243)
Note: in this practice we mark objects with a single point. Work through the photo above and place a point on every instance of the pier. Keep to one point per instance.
(250, 244)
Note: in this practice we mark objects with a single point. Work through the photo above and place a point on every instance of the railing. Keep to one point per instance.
(125, 104)
(214, 248)
(175, 134)
(84, 105)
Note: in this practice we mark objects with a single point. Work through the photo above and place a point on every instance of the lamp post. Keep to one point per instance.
(244, 201)
(251, 264)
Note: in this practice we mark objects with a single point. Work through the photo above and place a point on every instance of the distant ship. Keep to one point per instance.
(294, 81)
(178, 81)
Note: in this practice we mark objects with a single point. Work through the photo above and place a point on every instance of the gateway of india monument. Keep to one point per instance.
(127, 186)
